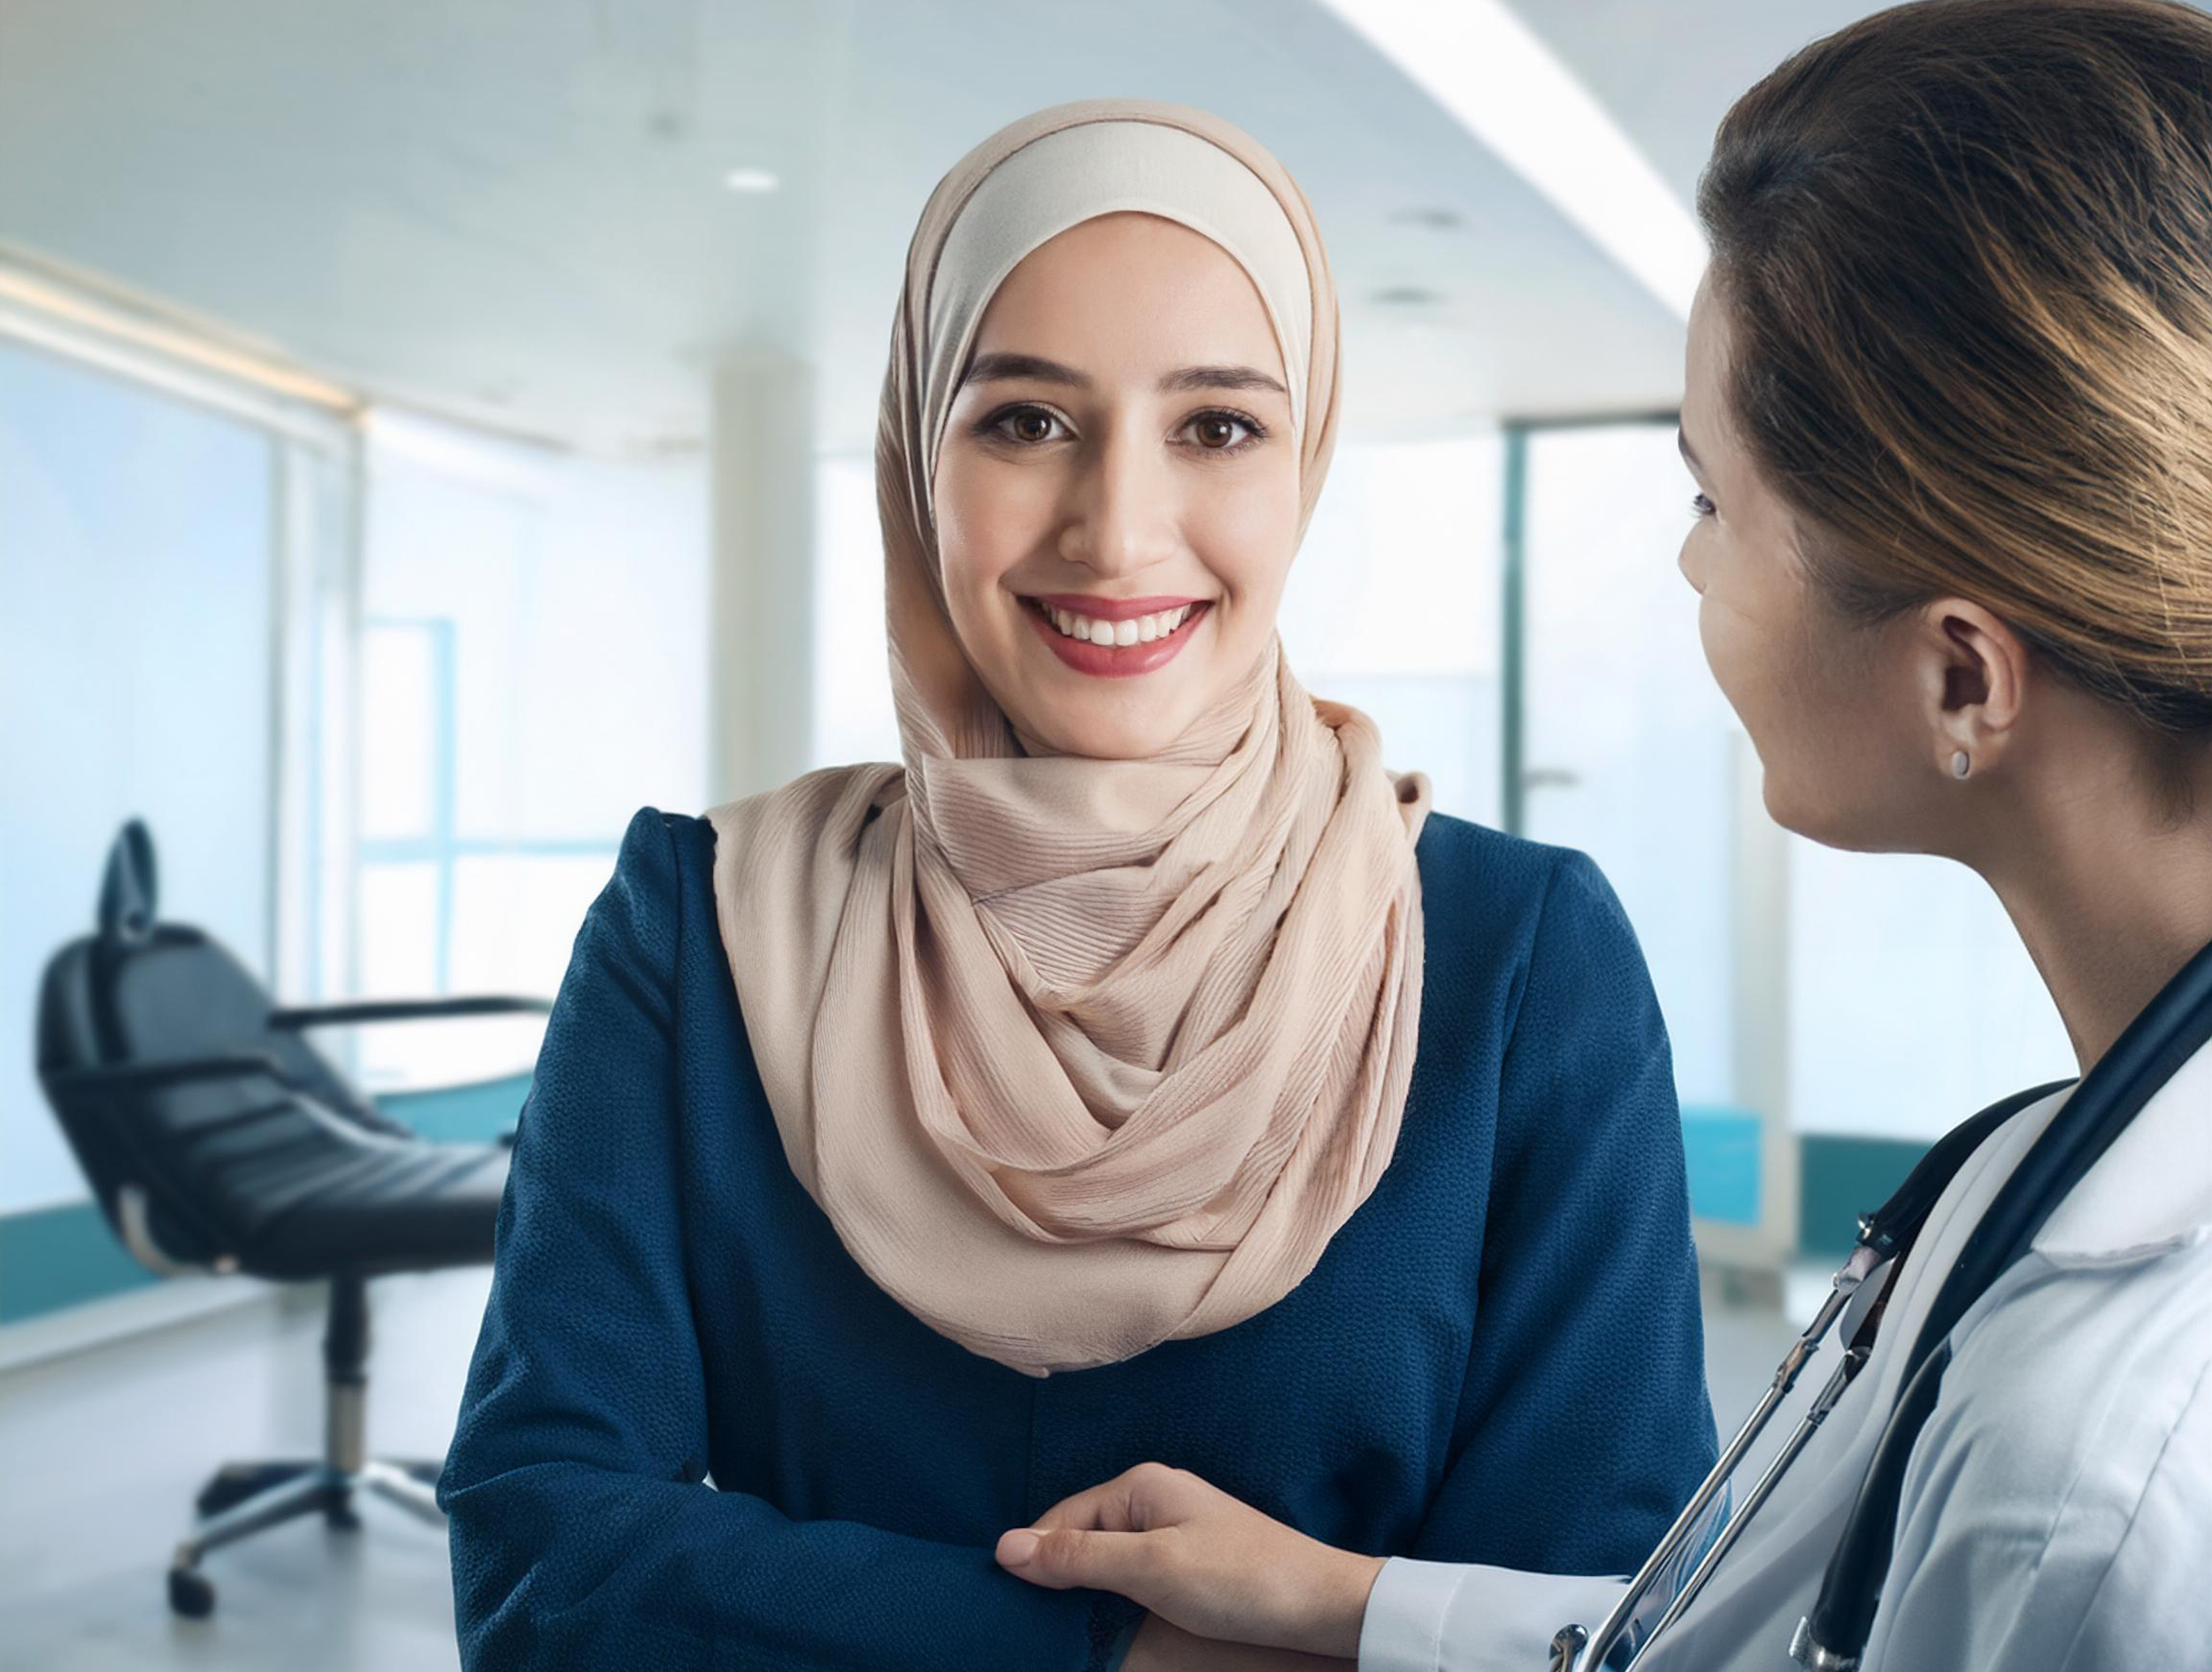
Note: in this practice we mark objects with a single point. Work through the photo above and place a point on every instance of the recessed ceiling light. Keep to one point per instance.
(750, 180)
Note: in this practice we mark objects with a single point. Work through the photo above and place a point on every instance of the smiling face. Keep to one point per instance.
(1117, 492)
(1839, 711)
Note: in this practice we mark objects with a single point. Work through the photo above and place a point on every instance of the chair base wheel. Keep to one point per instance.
(191, 1594)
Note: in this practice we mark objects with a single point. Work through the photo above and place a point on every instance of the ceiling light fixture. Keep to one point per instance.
(750, 180)
(181, 343)
(1493, 75)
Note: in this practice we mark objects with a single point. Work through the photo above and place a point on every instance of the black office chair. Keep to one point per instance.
(217, 1139)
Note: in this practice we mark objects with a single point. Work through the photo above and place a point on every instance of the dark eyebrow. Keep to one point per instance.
(1682, 441)
(1030, 367)
(1192, 378)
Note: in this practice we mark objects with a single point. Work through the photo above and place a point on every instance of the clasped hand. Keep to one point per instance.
(1200, 1560)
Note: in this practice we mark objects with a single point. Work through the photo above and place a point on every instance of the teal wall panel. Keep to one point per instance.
(1722, 1147)
(52, 1257)
(1840, 1178)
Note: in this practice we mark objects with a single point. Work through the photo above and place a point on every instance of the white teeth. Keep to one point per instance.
(1139, 629)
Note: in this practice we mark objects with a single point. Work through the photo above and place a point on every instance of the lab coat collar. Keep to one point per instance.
(2152, 1191)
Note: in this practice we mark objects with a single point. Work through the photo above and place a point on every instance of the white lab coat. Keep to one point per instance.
(2057, 1515)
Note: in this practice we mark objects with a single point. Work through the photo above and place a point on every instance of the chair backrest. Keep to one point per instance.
(141, 991)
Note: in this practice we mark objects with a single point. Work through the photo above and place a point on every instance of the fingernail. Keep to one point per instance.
(1016, 1547)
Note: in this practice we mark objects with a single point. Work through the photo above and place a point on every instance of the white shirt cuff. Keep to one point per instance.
(1454, 1617)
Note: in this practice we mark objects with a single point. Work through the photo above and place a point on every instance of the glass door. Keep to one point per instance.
(1617, 742)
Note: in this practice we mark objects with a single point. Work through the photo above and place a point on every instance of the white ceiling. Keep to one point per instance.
(515, 209)
(1669, 71)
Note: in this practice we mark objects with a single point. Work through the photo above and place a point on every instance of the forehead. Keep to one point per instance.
(1132, 287)
(1702, 348)
(1706, 424)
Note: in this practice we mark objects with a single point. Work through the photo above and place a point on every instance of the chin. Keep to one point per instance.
(1108, 743)
(1794, 811)
(1109, 730)
(1819, 818)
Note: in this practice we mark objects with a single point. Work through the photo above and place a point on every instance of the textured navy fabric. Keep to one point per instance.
(1497, 1358)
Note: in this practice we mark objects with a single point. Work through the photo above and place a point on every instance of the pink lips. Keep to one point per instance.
(1116, 661)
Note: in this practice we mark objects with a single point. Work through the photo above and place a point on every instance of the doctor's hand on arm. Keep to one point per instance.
(1220, 1579)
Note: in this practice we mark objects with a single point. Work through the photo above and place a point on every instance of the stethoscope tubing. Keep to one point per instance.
(1883, 1234)
(2153, 1048)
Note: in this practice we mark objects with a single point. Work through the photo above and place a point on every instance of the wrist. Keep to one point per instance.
(1339, 1593)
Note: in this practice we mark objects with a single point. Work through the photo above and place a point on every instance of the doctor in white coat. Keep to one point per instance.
(1948, 406)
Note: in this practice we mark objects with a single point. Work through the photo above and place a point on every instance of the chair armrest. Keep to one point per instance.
(127, 1076)
(403, 1010)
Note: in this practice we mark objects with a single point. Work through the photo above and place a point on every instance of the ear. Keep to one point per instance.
(1974, 673)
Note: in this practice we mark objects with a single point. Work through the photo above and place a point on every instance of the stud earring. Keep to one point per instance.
(1961, 764)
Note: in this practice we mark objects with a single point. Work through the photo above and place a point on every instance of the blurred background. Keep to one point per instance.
(431, 432)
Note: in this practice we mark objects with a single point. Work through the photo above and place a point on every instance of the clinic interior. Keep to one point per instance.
(430, 433)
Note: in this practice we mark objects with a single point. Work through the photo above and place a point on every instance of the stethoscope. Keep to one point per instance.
(2172, 1028)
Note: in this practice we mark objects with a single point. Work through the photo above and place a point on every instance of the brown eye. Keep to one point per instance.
(1027, 424)
(1221, 432)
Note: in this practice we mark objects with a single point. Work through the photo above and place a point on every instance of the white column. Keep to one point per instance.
(762, 641)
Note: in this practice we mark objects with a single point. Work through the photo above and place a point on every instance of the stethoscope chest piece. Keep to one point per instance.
(1567, 1647)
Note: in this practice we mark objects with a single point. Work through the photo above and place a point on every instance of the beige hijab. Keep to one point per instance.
(1082, 1056)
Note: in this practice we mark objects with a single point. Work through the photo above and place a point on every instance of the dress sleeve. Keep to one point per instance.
(582, 1534)
(1584, 1424)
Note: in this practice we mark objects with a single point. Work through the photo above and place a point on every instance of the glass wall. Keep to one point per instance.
(1913, 1002)
(533, 671)
(137, 551)
(853, 717)
(1627, 751)
(1392, 607)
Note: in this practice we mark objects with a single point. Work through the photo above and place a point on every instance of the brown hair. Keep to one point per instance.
(1964, 248)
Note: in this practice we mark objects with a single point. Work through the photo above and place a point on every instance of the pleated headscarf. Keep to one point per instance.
(1081, 1055)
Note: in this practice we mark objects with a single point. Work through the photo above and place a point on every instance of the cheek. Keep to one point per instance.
(1244, 534)
(1751, 621)
(1731, 640)
(986, 523)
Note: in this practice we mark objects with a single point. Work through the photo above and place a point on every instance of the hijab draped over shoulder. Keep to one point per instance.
(1081, 1055)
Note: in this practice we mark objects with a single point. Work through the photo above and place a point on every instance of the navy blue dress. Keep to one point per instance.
(1499, 1357)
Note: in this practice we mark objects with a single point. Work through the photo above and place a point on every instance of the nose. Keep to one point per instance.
(1122, 515)
(1692, 566)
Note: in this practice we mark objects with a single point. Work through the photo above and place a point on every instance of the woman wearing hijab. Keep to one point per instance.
(1949, 406)
(1137, 1069)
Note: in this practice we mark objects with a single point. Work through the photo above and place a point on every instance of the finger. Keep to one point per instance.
(1104, 1507)
(1063, 1558)
(1130, 1503)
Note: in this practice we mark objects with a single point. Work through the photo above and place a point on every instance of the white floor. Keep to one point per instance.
(101, 1452)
